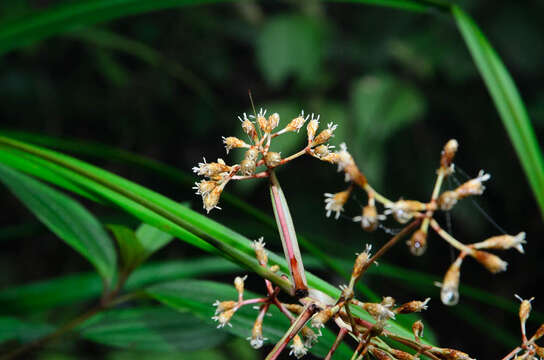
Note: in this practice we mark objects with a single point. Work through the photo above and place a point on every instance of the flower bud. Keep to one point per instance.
(204, 187)
(448, 153)
(403, 210)
(224, 318)
(256, 340)
(247, 167)
(378, 311)
(310, 337)
(369, 218)
(473, 187)
(272, 159)
(211, 199)
(447, 200)
(239, 284)
(493, 263)
(325, 135)
(378, 353)
(297, 347)
(296, 123)
(232, 142)
(418, 242)
(321, 151)
(261, 120)
(211, 169)
(361, 261)
(412, 306)
(388, 302)
(258, 246)
(275, 268)
(335, 202)
(417, 329)
(320, 319)
(503, 242)
(449, 294)
(222, 306)
(311, 128)
(251, 154)
(450, 354)
(296, 308)
(524, 310)
(248, 127)
(402, 355)
(273, 122)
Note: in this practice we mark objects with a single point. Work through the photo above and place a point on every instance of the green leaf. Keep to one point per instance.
(152, 239)
(290, 45)
(65, 17)
(131, 251)
(507, 101)
(69, 289)
(70, 221)
(22, 331)
(151, 329)
(197, 296)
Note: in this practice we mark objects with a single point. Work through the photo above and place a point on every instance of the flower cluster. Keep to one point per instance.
(529, 349)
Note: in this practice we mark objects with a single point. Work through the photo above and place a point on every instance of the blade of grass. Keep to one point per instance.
(507, 101)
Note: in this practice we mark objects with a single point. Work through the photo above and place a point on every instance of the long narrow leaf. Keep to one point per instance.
(507, 101)
(66, 218)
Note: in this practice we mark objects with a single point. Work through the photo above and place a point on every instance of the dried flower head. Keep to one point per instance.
(272, 159)
(312, 127)
(413, 306)
(297, 347)
(325, 135)
(232, 142)
(335, 202)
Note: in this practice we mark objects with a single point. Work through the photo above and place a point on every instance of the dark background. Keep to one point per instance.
(169, 84)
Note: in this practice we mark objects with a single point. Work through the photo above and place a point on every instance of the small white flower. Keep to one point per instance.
(256, 342)
(297, 348)
(335, 202)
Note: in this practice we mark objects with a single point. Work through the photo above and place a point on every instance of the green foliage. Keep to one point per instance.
(22, 331)
(66, 218)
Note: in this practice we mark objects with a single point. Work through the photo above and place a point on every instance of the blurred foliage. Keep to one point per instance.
(169, 84)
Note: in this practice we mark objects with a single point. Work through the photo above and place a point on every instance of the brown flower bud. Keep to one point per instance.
(524, 310)
(204, 187)
(232, 142)
(412, 306)
(378, 353)
(311, 128)
(388, 301)
(247, 167)
(258, 247)
(449, 294)
(402, 355)
(248, 127)
(251, 154)
(448, 153)
(272, 159)
(325, 135)
(224, 306)
(361, 261)
(539, 333)
(239, 284)
(473, 187)
(378, 311)
(273, 122)
(503, 242)
(369, 218)
(492, 262)
(296, 308)
(211, 199)
(417, 329)
(450, 354)
(447, 200)
(296, 123)
(321, 151)
(539, 350)
(418, 242)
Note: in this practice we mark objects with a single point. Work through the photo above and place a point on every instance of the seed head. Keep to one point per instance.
(418, 242)
(503, 242)
(272, 159)
(325, 135)
(297, 347)
(413, 306)
(335, 202)
(247, 167)
(449, 294)
(311, 128)
(448, 153)
(493, 263)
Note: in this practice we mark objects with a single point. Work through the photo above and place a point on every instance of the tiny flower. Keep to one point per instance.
(335, 202)
(211, 169)
(378, 353)
(204, 187)
(378, 311)
(493, 263)
(296, 308)
(251, 154)
(474, 186)
(297, 347)
(222, 306)
(273, 122)
(272, 159)
(296, 123)
(402, 355)
(524, 310)
(449, 294)
(211, 199)
(325, 135)
(248, 127)
(448, 153)
(239, 284)
(320, 319)
(310, 337)
(447, 200)
(232, 142)
(322, 151)
(403, 210)
(256, 340)
(388, 302)
(503, 242)
(261, 119)
(369, 218)
(311, 128)
(413, 306)
(258, 246)
(344, 157)
(274, 268)
(224, 318)
(361, 261)
(418, 242)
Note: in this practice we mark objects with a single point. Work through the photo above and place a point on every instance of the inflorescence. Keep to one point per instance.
(259, 162)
